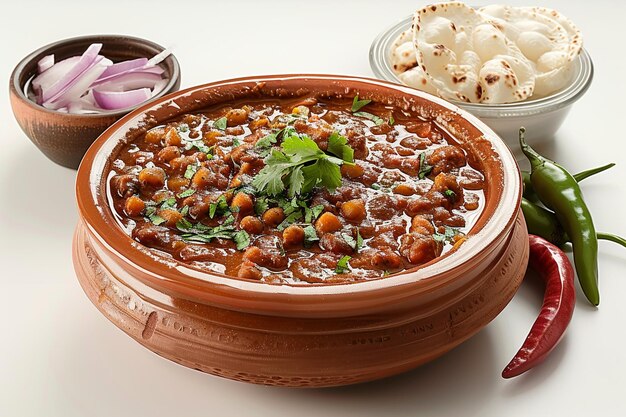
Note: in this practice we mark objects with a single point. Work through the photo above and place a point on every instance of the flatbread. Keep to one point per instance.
(404, 64)
(467, 58)
(546, 43)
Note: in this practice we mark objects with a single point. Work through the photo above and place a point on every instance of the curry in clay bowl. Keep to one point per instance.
(300, 230)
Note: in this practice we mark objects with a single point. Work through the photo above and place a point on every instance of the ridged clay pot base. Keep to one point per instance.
(260, 351)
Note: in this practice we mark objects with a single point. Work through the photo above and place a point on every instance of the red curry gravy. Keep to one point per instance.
(187, 189)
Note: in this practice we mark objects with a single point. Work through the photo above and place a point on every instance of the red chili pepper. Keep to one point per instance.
(559, 299)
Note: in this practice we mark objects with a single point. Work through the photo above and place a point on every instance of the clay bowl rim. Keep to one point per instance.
(171, 276)
(17, 88)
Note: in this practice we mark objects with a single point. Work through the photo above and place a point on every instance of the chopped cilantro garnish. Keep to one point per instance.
(236, 142)
(185, 210)
(448, 234)
(184, 224)
(301, 165)
(424, 167)
(311, 214)
(359, 104)
(156, 219)
(190, 171)
(267, 141)
(289, 220)
(261, 205)
(359, 240)
(169, 203)
(219, 205)
(342, 265)
(186, 193)
(242, 239)
(220, 123)
(392, 121)
(349, 240)
(449, 193)
(377, 120)
(310, 235)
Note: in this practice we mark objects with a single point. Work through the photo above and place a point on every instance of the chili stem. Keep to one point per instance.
(613, 238)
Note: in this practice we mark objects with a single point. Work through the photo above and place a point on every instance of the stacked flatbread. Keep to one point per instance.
(496, 54)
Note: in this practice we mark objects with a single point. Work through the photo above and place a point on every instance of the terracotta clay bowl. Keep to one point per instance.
(62, 137)
(303, 336)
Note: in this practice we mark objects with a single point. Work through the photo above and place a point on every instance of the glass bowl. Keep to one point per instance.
(542, 117)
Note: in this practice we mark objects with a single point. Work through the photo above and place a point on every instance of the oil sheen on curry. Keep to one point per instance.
(307, 190)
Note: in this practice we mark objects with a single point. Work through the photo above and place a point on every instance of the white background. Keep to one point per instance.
(60, 357)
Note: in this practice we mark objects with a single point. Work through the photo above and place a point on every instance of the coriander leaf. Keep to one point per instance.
(156, 219)
(242, 239)
(377, 120)
(236, 142)
(295, 181)
(329, 174)
(261, 205)
(169, 203)
(338, 146)
(190, 171)
(301, 147)
(186, 193)
(150, 210)
(447, 236)
(349, 240)
(342, 265)
(449, 193)
(311, 214)
(219, 205)
(310, 235)
(267, 141)
(392, 121)
(220, 123)
(184, 224)
(359, 104)
(424, 167)
(359, 240)
(185, 210)
(289, 220)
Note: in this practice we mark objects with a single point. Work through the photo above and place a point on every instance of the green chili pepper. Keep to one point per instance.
(558, 190)
(530, 195)
(542, 222)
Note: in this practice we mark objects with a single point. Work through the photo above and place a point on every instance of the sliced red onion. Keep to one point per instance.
(45, 80)
(158, 58)
(85, 62)
(158, 87)
(45, 63)
(124, 66)
(78, 86)
(128, 80)
(70, 85)
(115, 100)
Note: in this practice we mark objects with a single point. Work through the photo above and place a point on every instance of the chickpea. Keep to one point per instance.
(170, 216)
(155, 135)
(352, 171)
(236, 117)
(273, 217)
(248, 270)
(202, 178)
(253, 254)
(176, 183)
(421, 225)
(293, 236)
(353, 210)
(168, 153)
(243, 202)
(152, 177)
(262, 121)
(327, 223)
(134, 206)
(403, 189)
(252, 225)
(172, 138)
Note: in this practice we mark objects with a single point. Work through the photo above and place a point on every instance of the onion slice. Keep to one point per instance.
(115, 100)
(124, 66)
(83, 64)
(129, 81)
(45, 63)
(75, 89)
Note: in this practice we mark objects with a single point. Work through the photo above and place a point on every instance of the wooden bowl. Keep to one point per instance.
(294, 335)
(62, 137)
